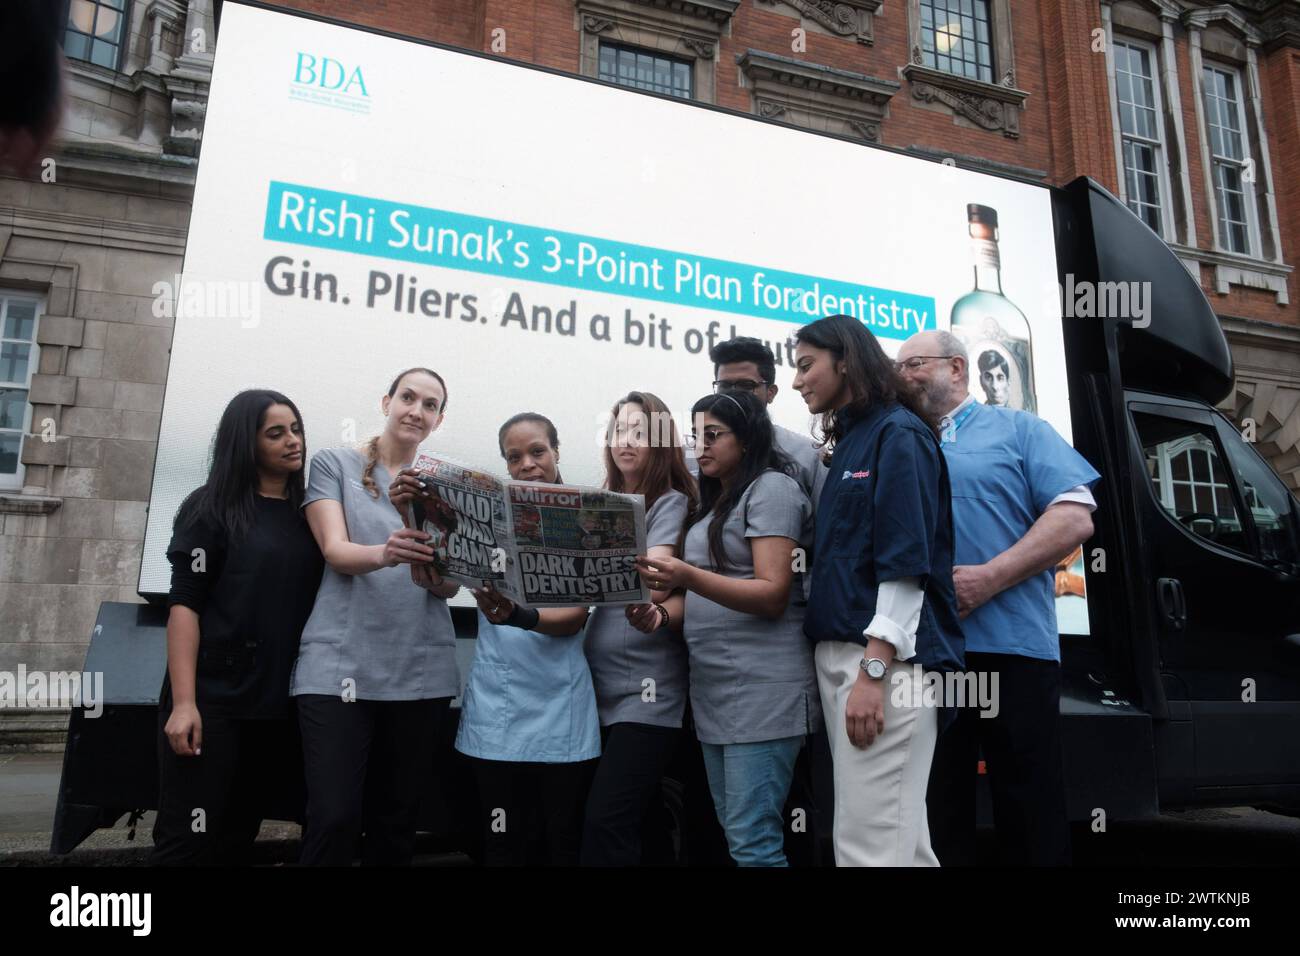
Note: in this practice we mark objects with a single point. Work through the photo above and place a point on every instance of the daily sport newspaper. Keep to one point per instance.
(540, 545)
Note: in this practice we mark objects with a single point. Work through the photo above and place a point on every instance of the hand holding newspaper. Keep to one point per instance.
(540, 545)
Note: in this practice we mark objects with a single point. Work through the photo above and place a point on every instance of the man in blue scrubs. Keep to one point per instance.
(1020, 503)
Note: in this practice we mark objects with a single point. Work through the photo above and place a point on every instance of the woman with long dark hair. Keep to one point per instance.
(377, 668)
(882, 611)
(640, 678)
(753, 690)
(244, 576)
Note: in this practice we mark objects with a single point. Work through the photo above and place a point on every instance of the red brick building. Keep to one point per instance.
(1188, 110)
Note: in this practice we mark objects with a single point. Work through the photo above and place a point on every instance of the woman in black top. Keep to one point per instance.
(245, 569)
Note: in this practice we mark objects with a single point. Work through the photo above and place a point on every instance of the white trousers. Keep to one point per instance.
(879, 791)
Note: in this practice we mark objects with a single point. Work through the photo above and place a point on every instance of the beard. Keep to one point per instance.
(933, 398)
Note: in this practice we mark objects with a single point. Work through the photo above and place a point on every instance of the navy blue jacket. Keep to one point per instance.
(885, 512)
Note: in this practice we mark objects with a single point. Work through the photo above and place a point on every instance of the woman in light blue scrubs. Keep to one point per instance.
(528, 717)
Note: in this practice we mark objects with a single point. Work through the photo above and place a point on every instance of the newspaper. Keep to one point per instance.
(540, 545)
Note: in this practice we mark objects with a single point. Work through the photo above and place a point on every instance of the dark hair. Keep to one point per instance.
(747, 418)
(869, 372)
(990, 359)
(744, 348)
(228, 498)
(666, 469)
(372, 446)
(552, 436)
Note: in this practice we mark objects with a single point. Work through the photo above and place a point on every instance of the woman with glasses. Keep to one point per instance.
(752, 684)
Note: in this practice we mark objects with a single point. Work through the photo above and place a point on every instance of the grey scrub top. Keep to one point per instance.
(751, 679)
(392, 638)
(811, 473)
(811, 470)
(623, 659)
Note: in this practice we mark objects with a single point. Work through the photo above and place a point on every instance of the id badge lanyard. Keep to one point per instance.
(949, 434)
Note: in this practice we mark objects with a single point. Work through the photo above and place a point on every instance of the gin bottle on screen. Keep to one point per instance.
(995, 332)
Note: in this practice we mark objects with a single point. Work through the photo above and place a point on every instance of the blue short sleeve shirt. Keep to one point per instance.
(1005, 467)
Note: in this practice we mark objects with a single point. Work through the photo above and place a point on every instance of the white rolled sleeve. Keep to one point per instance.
(898, 612)
(1079, 494)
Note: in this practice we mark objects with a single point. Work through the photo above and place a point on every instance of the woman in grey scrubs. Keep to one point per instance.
(640, 678)
(376, 668)
(752, 683)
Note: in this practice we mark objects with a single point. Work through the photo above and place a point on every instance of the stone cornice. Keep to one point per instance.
(787, 71)
(1243, 271)
(1277, 21)
(1171, 10)
(166, 9)
(714, 13)
(851, 19)
(1211, 256)
(93, 230)
(1281, 26)
(100, 76)
(818, 97)
(14, 503)
(993, 106)
(1278, 337)
(1200, 19)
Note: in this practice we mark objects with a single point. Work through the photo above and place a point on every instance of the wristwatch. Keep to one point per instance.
(875, 668)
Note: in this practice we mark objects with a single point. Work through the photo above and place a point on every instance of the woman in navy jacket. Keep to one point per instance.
(882, 612)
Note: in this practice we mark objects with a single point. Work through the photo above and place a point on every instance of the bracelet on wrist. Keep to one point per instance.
(664, 617)
(523, 617)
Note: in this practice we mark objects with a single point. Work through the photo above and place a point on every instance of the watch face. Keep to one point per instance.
(875, 669)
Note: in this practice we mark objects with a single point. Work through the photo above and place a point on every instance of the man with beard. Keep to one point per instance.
(1020, 503)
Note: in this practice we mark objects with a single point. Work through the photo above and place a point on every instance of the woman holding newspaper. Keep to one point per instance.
(640, 677)
(376, 670)
(752, 683)
(528, 716)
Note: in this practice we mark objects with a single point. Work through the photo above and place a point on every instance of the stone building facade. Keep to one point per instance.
(1188, 110)
(86, 345)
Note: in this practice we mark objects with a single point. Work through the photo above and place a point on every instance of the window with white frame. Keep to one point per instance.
(18, 353)
(1137, 92)
(1189, 478)
(1230, 160)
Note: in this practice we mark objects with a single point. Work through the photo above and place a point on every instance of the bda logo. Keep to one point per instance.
(329, 74)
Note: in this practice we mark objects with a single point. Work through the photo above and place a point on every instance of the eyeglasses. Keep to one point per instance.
(708, 438)
(916, 361)
(740, 385)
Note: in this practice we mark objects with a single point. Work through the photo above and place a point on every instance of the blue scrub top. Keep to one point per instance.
(884, 514)
(1006, 466)
(529, 697)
